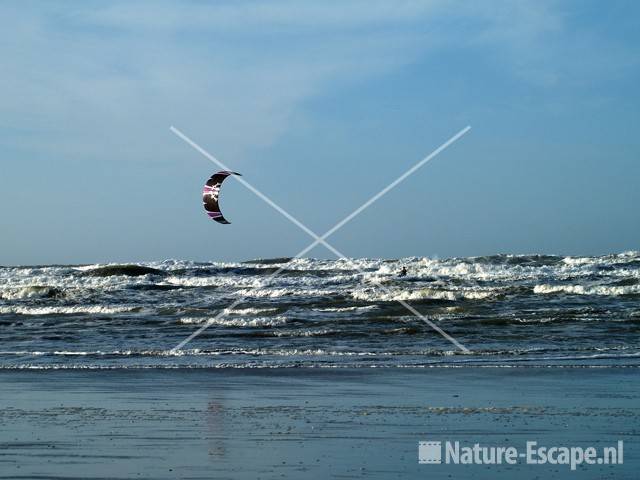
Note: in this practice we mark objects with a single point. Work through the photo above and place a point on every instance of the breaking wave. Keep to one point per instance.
(588, 289)
(422, 294)
(75, 310)
(235, 322)
(33, 291)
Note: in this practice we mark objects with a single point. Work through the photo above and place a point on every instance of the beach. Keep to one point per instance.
(153, 370)
(307, 422)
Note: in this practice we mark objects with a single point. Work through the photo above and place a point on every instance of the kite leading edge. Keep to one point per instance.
(211, 194)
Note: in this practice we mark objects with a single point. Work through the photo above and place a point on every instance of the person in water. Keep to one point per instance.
(403, 272)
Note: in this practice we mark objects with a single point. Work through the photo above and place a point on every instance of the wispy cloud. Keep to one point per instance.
(83, 73)
(239, 69)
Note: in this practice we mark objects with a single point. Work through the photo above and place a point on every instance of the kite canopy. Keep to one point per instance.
(211, 193)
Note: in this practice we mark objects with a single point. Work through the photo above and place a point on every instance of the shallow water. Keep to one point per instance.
(512, 311)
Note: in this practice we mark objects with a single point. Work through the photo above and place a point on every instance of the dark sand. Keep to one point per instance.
(307, 423)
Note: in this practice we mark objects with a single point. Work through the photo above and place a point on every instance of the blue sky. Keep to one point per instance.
(320, 105)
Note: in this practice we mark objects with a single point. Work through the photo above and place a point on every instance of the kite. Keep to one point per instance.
(211, 193)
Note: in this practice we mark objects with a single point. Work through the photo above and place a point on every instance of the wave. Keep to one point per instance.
(547, 353)
(258, 271)
(269, 261)
(286, 292)
(235, 322)
(193, 282)
(32, 291)
(347, 309)
(323, 332)
(71, 310)
(248, 311)
(290, 358)
(122, 270)
(605, 290)
(380, 295)
(614, 259)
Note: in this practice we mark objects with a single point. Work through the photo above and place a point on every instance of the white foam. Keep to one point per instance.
(74, 310)
(347, 309)
(303, 333)
(248, 311)
(193, 282)
(30, 291)
(421, 294)
(588, 290)
(283, 292)
(603, 260)
(235, 322)
(458, 269)
(123, 353)
(294, 352)
(578, 261)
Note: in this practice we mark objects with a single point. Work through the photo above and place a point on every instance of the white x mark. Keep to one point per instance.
(321, 239)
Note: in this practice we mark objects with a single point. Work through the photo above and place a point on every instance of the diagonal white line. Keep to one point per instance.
(238, 301)
(393, 184)
(404, 304)
(243, 182)
(319, 239)
(357, 211)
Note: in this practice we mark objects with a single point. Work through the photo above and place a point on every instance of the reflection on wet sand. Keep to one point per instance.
(216, 430)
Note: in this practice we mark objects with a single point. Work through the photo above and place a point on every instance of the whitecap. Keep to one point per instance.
(235, 322)
(30, 291)
(422, 294)
(71, 310)
(588, 290)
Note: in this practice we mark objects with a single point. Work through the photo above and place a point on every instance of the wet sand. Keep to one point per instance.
(307, 423)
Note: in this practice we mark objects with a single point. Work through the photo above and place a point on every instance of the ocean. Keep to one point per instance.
(507, 310)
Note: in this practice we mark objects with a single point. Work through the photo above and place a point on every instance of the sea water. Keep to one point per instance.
(505, 310)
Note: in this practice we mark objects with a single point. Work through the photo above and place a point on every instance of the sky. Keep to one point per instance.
(319, 105)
